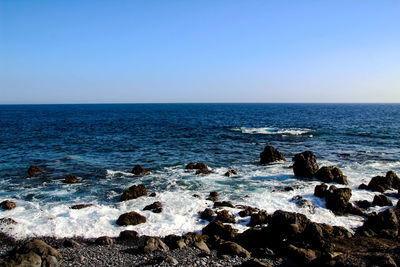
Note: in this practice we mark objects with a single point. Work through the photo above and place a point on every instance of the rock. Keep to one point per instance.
(213, 196)
(133, 192)
(171, 260)
(8, 205)
(40, 248)
(128, 235)
(153, 194)
(203, 171)
(384, 224)
(80, 206)
(303, 203)
(286, 225)
(29, 259)
(139, 170)
(382, 200)
(231, 173)
(288, 188)
(69, 243)
(225, 217)
(383, 183)
(156, 207)
(254, 263)
(270, 154)
(363, 186)
(331, 174)
(7, 221)
(200, 167)
(34, 171)
(305, 164)
(305, 256)
(337, 199)
(363, 204)
(71, 179)
(259, 218)
(104, 240)
(234, 249)
(155, 244)
(217, 228)
(207, 214)
(228, 204)
(196, 196)
(130, 218)
(247, 211)
(320, 190)
(202, 246)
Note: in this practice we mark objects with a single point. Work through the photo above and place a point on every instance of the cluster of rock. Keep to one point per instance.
(200, 167)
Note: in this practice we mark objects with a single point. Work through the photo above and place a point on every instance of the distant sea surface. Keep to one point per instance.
(102, 143)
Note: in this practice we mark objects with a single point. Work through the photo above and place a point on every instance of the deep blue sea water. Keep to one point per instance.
(101, 143)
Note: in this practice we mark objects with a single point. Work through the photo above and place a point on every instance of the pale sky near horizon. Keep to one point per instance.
(199, 51)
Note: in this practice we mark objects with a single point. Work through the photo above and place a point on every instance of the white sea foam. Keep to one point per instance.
(273, 130)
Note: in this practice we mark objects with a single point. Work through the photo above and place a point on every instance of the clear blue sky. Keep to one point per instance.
(108, 51)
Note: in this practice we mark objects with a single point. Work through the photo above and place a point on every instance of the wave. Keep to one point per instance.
(273, 130)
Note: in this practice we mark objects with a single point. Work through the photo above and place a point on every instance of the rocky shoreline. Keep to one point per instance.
(278, 239)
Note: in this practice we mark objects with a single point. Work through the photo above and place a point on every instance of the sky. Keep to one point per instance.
(116, 51)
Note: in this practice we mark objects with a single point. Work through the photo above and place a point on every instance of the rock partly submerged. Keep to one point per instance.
(270, 155)
(305, 164)
(134, 192)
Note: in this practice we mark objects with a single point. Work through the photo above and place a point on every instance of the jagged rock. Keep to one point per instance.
(363, 204)
(228, 204)
(207, 214)
(217, 228)
(259, 218)
(305, 164)
(320, 190)
(213, 196)
(104, 240)
(337, 199)
(130, 218)
(139, 170)
(232, 248)
(153, 194)
(8, 205)
(382, 200)
(34, 171)
(303, 203)
(363, 186)
(200, 167)
(80, 206)
(305, 256)
(225, 217)
(247, 211)
(71, 179)
(270, 154)
(384, 224)
(156, 207)
(155, 244)
(133, 192)
(128, 235)
(383, 183)
(202, 246)
(287, 225)
(288, 188)
(231, 173)
(331, 174)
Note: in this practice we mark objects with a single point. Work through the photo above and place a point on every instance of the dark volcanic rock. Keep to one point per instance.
(218, 204)
(153, 194)
(207, 214)
(320, 190)
(247, 211)
(232, 248)
(71, 179)
(200, 167)
(7, 205)
(382, 200)
(262, 217)
(130, 218)
(80, 206)
(128, 235)
(303, 203)
(363, 204)
(34, 171)
(384, 224)
(288, 188)
(213, 196)
(331, 174)
(363, 186)
(139, 170)
(217, 228)
(383, 183)
(104, 240)
(231, 173)
(133, 192)
(156, 207)
(225, 217)
(305, 164)
(337, 199)
(155, 244)
(270, 154)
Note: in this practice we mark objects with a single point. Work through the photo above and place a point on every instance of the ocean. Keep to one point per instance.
(101, 143)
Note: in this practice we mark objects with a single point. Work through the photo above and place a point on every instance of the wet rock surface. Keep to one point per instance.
(130, 218)
(305, 164)
(139, 170)
(271, 154)
(331, 174)
(133, 192)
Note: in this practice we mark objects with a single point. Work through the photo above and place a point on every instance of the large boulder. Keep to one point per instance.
(139, 170)
(156, 207)
(305, 164)
(128, 235)
(7, 205)
(34, 171)
(155, 244)
(225, 217)
(259, 218)
(234, 249)
(384, 224)
(383, 183)
(131, 218)
(133, 192)
(200, 167)
(104, 241)
(331, 174)
(382, 200)
(320, 190)
(207, 214)
(217, 228)
(287, 225)
(337, 199)
(270, 154)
